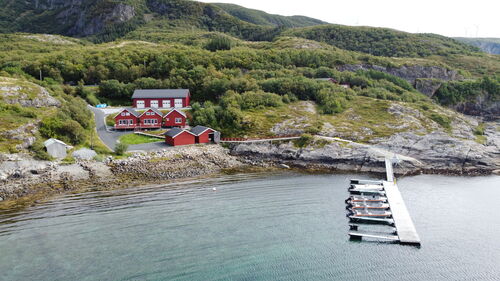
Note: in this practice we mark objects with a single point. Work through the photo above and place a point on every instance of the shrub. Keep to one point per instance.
(443, 121)
(219, 43)
(304, 140)
(120, 148)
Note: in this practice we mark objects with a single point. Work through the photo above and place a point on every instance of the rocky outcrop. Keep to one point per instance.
(408, 72)
(481, 106)
(428, 86)
(436, 152)
(16, 95)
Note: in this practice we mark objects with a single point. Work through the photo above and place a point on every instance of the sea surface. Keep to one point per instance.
(276, 226)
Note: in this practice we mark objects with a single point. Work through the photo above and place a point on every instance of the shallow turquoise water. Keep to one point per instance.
(254, 227)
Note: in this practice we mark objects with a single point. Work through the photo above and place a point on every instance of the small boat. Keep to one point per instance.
(370, 220)
(366, 188)
(370, 213)
(376, 206)
(366, 191)
(366, 198)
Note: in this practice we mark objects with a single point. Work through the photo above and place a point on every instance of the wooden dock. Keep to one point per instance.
(359, 235)
(402, 220)
(404, 229)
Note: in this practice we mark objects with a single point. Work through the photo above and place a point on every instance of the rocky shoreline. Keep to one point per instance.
(26, 180)
(29, 179)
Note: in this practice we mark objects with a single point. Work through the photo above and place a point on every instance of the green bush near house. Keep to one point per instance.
(121, 148)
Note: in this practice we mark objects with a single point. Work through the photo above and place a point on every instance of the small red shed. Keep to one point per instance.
(174, 118)
(126, 119)
(150, 118)
(177, 136)
(203, 134)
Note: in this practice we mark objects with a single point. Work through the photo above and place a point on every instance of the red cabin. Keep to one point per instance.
(177, 136)
(126, 119)
(203, 134)
(161, 98)
(175, 118)
(151, 118)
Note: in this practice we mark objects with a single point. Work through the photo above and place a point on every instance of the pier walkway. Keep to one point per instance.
(399, 217)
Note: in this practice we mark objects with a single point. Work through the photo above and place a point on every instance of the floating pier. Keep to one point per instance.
(404, 230)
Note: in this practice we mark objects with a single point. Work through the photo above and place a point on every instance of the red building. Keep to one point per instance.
(174, 118)
(177, 136)
(161, 98)
(128, 118)
(151, 118)
(203, 134)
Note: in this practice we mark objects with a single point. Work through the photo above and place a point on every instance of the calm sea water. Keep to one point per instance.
(254, 227)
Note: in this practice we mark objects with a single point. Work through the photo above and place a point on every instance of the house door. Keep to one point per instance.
(154, 103)
(178, 103)
(166, 104)
(140, 104)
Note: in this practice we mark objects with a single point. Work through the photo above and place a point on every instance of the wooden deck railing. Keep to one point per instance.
(282, 137)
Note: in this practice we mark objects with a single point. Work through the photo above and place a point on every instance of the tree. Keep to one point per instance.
(219, 43)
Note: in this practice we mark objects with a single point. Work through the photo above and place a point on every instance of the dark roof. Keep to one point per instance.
(160, 93)
(153, 109)
(174, 132)
(131, 110)
(198, 130)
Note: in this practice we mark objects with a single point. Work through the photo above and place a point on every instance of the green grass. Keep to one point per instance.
(110, 120)
(137, 139)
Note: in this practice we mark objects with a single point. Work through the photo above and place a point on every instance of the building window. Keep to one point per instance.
(127, 114)
(123, 113)
(168, 119)
(178, 120)
(178, 103)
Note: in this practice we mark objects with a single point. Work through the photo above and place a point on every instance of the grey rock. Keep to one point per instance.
(408, 72)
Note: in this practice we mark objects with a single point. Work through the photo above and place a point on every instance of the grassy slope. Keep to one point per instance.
(382, 41)
(263, 18)
(15, 116)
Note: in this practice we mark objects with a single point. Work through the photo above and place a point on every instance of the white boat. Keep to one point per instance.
(375, 206)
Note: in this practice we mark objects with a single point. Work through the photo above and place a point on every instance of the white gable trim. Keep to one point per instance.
(180, 112)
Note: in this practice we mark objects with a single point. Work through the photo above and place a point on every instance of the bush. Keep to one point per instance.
(219, 43)
(443, 121)
(304, 140)
(39, 150)
(121, 148)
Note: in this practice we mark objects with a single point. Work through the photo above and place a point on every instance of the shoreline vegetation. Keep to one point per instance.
(32, 181)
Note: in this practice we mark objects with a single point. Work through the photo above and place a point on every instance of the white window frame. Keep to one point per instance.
(178, 103)
(123, 113)
(154, 103)
(178, 120)
(140, 104)
(166, 102)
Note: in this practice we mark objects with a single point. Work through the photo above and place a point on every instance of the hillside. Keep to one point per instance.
(488, 45)
(383, 41)
(263, 18)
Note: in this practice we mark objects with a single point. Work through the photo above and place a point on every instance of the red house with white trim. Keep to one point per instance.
(127, 119)
(203, 134)
(174, 118)
(161, 98)
(177, 136)
(150, 118)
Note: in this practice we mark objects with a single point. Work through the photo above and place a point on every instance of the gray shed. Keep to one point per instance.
(56, 148)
